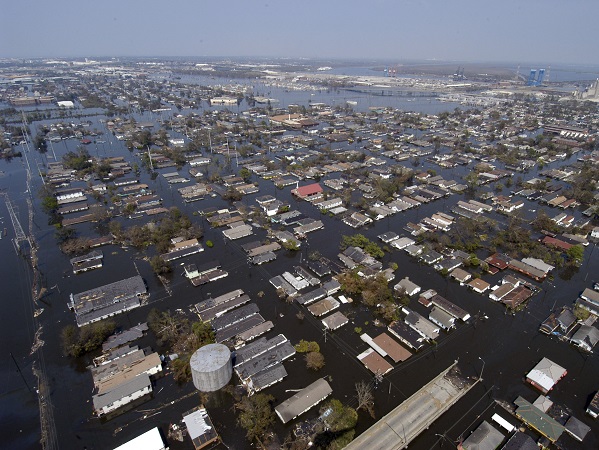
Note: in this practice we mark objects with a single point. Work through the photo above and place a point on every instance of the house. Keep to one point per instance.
(406, 286)
(566, 320)
(200, 428)
(498, 260)
(577, 429)
(593, 408)
(527, 269)
(448, 264)
(499, 293)
(431, 257)
(590, 296)
(479, 285)
(538, 420)
(520, 441)
(422, 326)
(545, 375)
(108, 300)
(586, 337)
(303, 400)
(442, 318)
(485, 437)
(388, 237)
(357, 220)
(460, 275)
(517, 296)
(304, 192)
(122, 395)
(449, 307)
(406, 335)
(402, 243)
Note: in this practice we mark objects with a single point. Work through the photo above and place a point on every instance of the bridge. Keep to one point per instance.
(402, 425)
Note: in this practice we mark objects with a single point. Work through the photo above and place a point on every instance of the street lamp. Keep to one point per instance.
(481, 370)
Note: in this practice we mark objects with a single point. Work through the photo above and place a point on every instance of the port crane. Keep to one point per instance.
(536, 78)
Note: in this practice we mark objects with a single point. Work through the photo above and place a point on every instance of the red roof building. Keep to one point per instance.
(306, 191)
(556, 243)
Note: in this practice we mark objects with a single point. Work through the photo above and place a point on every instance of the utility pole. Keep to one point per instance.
(21, 373)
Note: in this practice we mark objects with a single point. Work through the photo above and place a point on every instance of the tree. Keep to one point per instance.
(181, 369)
(340, 417)
(307, 346)
(575, 253)
(245, 174)
(203, 332)
(291, 245)
(166, 326)
(314, 360)
(40, 144)
(365, 397)
(49, 204)
(78, 341)
(256, 416)
(339, 421)
(159, 265)
(232, 194)
(63, 234)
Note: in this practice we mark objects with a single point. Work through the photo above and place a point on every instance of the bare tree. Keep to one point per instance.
(365, 397)
(314, 360)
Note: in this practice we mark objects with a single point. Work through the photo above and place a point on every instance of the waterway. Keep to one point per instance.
(508, 345)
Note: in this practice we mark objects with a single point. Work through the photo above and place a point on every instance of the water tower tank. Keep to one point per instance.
(211, 367)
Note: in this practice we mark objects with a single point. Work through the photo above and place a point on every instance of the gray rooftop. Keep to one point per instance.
(108, 294)
(234, 316)
(303, 400)
(485, 437)
(123, 390)
(258, 347)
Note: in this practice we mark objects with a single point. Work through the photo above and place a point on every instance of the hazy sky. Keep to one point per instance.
(553, 31)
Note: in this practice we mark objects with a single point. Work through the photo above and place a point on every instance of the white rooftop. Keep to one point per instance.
(150, 440)
(546, 374)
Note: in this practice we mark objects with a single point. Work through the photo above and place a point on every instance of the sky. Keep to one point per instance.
(527, 31)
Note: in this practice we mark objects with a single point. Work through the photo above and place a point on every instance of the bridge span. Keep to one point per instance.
(402, 425)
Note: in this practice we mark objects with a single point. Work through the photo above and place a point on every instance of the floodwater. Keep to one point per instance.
(509, 345)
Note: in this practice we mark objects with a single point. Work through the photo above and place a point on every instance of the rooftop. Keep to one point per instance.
(303, 400)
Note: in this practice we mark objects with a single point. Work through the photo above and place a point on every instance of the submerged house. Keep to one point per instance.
(545, 375)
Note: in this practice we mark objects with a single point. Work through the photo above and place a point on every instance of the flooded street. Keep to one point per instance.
(496, 345)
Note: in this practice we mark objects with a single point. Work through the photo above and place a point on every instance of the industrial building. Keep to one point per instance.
(211, 367)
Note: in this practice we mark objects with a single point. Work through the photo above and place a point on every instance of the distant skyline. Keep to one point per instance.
(533, 31)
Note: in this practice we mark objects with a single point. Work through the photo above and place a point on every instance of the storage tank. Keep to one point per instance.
(211, 367)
